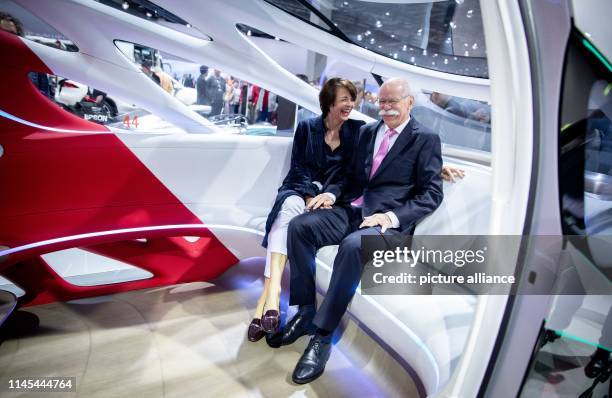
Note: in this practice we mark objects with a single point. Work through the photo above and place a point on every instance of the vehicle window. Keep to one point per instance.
(17, 20)
(586, 141)
(459, 121)
(576, 338)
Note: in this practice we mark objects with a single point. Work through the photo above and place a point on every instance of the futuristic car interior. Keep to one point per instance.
(130, 243)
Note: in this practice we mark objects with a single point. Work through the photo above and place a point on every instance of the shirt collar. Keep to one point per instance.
(399, 128)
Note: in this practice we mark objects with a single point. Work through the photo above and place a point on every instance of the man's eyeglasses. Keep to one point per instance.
(391, 102)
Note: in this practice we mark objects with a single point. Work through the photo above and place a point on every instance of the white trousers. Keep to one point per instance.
(277, 238)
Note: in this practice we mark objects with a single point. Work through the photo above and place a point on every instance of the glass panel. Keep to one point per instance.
(315, 69)
(152, 12)
(441, 35)
(573, 354)
(297, 9)
(18, 20)
(226, 101)
(459, 121)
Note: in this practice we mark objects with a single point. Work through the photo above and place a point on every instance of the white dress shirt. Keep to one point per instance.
(379, 137)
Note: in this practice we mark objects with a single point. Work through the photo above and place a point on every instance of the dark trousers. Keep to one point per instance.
(310, 231)
(262, 116)
(216, 108)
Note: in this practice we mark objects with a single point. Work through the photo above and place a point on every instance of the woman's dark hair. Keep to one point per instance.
(327, 96)
(15, 21)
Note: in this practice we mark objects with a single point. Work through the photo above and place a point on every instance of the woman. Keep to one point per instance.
(235, 101)
(229, 94)
(322, 147)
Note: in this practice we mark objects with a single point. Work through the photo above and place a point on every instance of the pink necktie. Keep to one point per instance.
(380, 155)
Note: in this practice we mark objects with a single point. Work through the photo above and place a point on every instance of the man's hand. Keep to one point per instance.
(321, 200)
(377, 219)
(452, 173)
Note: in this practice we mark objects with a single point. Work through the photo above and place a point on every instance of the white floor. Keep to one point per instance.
(187, 341)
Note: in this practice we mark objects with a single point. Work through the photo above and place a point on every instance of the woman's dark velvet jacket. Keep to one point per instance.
(308, 161)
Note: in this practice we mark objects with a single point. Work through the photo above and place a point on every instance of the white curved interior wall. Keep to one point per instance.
(197, 168)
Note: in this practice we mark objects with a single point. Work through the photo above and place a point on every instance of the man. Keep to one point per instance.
(188, 80)
(254, 93)
(215, 90)
(201, 87)
(394, 181)
(97, 95)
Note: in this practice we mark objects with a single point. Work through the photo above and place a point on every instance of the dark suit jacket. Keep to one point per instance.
(308, 160)
(201, 91)
(408, 181)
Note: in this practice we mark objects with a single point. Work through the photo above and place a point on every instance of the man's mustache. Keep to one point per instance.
(390, 112)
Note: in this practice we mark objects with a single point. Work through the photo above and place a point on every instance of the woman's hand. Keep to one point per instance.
(451, 173)
(321, 200)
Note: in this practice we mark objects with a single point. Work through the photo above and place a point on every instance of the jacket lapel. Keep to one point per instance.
(402, 140)
(370, 147)
(316, 142)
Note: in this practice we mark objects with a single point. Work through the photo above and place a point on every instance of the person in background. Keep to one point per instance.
(147, 70)
(229, 94)
(13, 25)
(97, 95)
(272, 108)
(363, 105)
(215, 89)
(262, 106)
(202, 98)
(235, 101)
(187, 80)
(165, 80)
(244, 98)
(254, 93)
(463, 107)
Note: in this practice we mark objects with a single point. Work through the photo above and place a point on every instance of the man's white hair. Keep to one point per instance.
(399, 81)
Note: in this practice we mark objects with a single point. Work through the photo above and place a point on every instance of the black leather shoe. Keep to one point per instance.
(312, 363)
(600, 360)
(300, 325)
